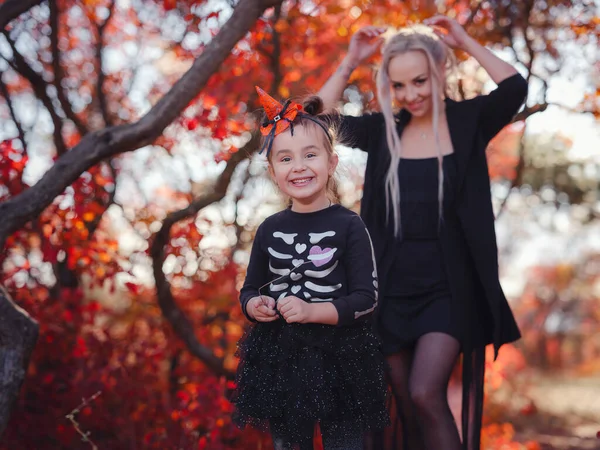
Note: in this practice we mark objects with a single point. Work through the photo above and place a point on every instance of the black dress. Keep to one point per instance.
(292, 376)
(470, 255)
(417, 298)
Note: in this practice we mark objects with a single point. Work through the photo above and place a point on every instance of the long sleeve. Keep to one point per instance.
(361, 275)
(501, 105)
(257, 273)
(357, 132)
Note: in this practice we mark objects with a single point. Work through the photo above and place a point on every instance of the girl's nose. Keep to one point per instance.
(299, 166)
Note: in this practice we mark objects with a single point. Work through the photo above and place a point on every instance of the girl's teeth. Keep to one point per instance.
(304, 180)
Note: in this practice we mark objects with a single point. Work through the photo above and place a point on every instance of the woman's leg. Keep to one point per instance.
(434, 358)
(399, 369)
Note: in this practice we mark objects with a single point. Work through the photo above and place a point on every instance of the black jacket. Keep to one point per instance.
(472, 254)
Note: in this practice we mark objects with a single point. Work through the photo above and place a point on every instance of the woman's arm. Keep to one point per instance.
(363, 44)
(498, 69)
(454, 35)
(499, 107)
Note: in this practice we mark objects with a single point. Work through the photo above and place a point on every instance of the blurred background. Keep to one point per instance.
(133, 271)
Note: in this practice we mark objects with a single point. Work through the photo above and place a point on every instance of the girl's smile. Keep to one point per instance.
(301, 167)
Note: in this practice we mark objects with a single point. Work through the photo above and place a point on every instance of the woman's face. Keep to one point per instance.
(411, 81)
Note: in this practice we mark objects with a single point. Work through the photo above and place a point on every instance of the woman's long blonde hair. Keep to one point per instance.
(420, 38)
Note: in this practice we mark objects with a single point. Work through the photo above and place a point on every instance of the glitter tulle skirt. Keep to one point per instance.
(299, 373)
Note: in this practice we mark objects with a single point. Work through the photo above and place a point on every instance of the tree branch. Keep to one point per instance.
(59, 73)
(101, 75)
(38, 85)
(18, 332)
(238, 228)
(11, 9)
(180, 323)
(474, 12)
(529, 111)
(518, 175)
(93, 225)
(97, 146)
(6, 95)
(182, 326)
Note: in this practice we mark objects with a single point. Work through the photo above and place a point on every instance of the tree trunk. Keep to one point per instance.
(18, 335)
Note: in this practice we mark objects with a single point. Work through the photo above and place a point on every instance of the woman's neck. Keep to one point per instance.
(426, 121)
(310, 205)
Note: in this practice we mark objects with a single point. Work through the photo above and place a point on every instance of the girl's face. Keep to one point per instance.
(301, 167)
(411, 81)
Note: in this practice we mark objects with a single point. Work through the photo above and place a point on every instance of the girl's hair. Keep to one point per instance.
(414, 38)
(313, 106)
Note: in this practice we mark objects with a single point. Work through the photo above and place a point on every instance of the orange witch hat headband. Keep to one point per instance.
(280, 118)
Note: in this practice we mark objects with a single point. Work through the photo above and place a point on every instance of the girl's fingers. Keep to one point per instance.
(271, 303)
(286, 308)
(291, 317)
(284, 301)
(266, 311)
(266, 318)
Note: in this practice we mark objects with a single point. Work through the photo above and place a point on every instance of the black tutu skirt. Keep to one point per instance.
(298, 374)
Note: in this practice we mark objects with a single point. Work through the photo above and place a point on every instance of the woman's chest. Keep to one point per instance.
(416, 143)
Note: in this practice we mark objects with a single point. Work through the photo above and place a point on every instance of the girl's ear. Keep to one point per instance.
(271, 172)
(333, 163)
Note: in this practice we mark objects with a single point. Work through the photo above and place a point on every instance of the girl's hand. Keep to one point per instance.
(363, 44)
(294, 309)
(449, 30)
(262, 309)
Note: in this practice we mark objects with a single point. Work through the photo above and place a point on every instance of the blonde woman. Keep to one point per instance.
(427, 206)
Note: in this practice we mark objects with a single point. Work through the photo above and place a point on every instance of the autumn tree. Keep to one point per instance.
(96, 92)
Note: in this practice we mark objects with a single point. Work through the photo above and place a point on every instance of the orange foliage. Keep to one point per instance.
(100, 326)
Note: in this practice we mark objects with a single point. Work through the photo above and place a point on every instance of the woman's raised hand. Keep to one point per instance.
(449, 30)
(364, 43)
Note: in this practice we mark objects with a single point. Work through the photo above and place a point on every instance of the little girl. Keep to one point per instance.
(310, 289)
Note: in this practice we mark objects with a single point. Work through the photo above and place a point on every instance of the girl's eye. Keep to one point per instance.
(397, 86)
(421, 81)
(286, 159)
(311, 155)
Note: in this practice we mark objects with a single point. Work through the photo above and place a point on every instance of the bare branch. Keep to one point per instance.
(100, 70)
(516, 181)
(6, 95)
(97, 146)
(529, 111)
(11, 9)
(528, 43)
(182, 326)
(93, 225)
(38, 85)
(59, 73)
(85, 435)
(474, 12)
(238, 228)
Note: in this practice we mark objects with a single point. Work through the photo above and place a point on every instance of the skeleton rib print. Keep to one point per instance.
(294, 278)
